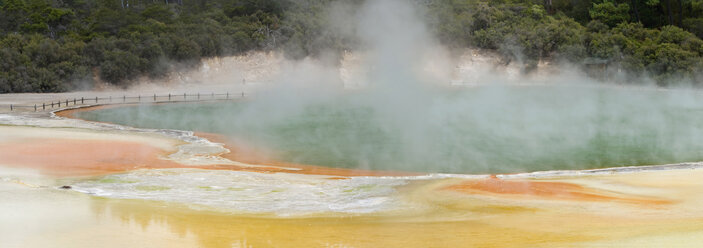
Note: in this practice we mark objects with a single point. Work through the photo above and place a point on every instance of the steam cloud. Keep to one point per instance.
(407, 117)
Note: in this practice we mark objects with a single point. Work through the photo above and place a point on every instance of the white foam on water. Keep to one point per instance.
(290, 195)
(249, 192)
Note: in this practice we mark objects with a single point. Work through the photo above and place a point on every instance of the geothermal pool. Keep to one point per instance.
(147, 184)
(488, 129)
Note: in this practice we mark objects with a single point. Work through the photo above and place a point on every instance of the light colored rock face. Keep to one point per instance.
(467, 66)
(218, 74)
(253, 67)
(464, 67)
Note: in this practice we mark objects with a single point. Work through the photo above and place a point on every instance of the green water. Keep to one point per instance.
(482, 130)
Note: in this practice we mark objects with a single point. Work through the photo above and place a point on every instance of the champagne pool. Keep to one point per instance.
(488, 129)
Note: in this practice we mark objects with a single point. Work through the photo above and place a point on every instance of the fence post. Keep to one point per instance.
(81, 100)
(35, 108)
(74, 101)
(124, 98)
(184, 96)
(169, 96)
(227, 97)
(96, 99)
(10, 107)
(43, 106)
(242, 94)
(154, 97)
(139, 98)
(66, 102)
(52, 104)
(59, 103)
(198, 95)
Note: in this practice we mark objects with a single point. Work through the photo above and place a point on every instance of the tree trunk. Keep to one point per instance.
(548, 6)
(680, 13)
(668, 10)
(634, 8)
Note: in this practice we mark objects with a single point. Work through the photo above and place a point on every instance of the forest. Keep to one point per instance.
(62, 45)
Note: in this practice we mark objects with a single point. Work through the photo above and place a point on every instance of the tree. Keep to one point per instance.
(158, 12)
(669, 60)
(610, 13)
(634, 9)
(119, 66)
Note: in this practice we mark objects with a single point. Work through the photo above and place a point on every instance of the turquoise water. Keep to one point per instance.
(499, 129)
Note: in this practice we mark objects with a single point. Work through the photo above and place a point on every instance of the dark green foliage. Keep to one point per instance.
(119, 65)
(602, 33)
(56, 46)
(158, 12)
(48, 46)
(610, 13)
(694, 25)
(528, 33)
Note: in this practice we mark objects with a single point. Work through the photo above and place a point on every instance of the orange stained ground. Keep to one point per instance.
(67, 157)
(546, 190)
(75, 157)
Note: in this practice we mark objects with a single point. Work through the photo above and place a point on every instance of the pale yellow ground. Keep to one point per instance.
(644, 209)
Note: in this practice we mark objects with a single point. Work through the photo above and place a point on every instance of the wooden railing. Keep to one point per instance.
(153, 98)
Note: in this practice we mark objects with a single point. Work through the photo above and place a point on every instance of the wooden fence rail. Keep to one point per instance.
(153, 98)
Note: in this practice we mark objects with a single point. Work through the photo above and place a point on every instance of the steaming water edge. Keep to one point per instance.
(475, 131)
(480, 130)
(399, 198)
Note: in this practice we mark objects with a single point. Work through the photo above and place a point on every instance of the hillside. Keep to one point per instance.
(55, 46)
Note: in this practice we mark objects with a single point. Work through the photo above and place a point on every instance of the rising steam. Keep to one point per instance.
(398, 111)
